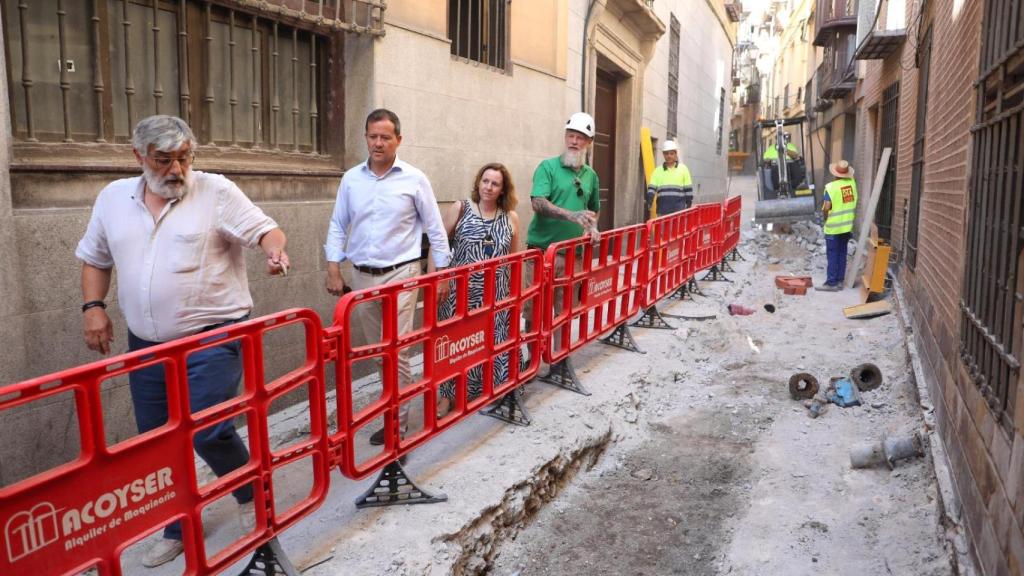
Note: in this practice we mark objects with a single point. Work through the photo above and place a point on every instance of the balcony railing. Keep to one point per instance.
(880, 34)
(836, 75)
(832, 16)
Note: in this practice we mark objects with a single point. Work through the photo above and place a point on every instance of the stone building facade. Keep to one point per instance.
(277, 92)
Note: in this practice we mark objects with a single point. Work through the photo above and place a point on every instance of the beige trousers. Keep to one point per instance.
(366, 325)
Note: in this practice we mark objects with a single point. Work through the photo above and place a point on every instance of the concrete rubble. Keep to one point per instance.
(691, 458)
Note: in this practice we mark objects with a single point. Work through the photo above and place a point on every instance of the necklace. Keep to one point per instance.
(483, 216)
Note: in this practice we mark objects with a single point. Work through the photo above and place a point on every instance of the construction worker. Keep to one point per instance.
(671, 187)
(839, 210)
(771, 152)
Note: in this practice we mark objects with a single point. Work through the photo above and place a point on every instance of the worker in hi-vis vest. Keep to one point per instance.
(839, 210)
(671, 187)
(771, 152)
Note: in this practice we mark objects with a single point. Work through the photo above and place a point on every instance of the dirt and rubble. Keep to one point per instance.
(691, 458)
(725, 473)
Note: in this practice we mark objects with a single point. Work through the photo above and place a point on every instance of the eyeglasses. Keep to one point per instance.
(579, 186)
(164, 162)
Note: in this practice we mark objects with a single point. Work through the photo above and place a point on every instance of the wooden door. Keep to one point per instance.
(604, 146)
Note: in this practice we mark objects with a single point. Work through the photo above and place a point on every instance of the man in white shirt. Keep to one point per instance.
(176, 237)
(384, 205)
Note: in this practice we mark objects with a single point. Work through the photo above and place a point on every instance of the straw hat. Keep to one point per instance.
(841, 169)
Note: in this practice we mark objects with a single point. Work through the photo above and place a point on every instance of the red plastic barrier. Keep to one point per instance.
(449, 348)
(87, 512)
(592, 288)
(668, 265)
(709, 235)
(731, 223)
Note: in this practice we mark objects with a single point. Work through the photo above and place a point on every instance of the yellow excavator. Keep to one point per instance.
(785, 183)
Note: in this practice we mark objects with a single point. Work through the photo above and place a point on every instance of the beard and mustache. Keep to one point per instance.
(574, 158)
(167, 187)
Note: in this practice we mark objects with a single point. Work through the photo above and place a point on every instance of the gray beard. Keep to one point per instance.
(164, 189)
(572, 159)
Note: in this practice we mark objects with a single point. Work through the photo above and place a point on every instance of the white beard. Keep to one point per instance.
(574, 160)
(168, 188)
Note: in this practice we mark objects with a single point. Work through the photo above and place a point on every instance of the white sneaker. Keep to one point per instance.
(162, 552)
(247, 516)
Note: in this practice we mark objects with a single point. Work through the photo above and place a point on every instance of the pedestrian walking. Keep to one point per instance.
(671, 186)
(383, 207)
(482, 227)
(565, 196)
(175, 236)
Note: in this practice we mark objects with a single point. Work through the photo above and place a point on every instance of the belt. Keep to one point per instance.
(225, 323)
(380, 271)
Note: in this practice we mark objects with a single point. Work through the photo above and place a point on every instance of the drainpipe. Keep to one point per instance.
(583, 63)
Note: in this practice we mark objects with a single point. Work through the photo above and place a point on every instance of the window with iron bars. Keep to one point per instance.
(478, 30)
(917, 164)
(888, 139)
(673, 78)
(88, 71)
(992, 307)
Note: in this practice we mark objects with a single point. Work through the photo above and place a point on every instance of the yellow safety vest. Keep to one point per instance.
(843, 196)
(772, 153)
(669, 187)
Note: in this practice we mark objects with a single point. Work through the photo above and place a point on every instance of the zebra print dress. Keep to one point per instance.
(476, 239)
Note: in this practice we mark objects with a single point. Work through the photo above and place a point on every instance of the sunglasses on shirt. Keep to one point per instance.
(579, 186)
(488, 246)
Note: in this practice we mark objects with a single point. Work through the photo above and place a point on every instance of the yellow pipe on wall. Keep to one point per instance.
(647, 155)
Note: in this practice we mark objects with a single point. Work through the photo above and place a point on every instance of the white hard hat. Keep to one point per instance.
(669, 146)
(581, 122)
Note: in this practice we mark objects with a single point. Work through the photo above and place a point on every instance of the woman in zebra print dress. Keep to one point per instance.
(485, 226)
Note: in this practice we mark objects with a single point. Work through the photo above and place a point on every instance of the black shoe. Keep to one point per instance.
(377, 438)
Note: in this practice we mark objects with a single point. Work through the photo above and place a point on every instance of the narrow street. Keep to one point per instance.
(688, 459)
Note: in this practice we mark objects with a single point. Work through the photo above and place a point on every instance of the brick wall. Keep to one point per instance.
(986, 459)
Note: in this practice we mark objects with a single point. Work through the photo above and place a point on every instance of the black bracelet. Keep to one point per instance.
(94, 304)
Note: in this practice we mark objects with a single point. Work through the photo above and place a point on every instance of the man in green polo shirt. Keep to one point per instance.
(565, 190)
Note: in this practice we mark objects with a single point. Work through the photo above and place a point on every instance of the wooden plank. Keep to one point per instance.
(869, 217)
(869, 310)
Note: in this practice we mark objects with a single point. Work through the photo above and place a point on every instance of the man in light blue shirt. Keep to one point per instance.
(384, 205)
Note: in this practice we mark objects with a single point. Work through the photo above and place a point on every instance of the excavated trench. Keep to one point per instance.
(476, 544)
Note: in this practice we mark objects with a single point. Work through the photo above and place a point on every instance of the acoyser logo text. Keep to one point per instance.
(31, 530)
(446, 348)
(599, 287)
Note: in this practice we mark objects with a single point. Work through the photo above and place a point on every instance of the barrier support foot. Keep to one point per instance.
(694, 288)
(681, 293)
(715, 275)
(509, 409)
(652, 318)
(725, 265)
(270, 560)
(735, 255)
(622, 338)
(393, 487)
(563, 375)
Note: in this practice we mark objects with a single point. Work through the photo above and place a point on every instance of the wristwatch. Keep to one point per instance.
(94, 304)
